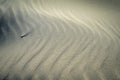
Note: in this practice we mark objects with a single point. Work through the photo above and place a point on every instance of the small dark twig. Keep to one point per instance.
(24, 35)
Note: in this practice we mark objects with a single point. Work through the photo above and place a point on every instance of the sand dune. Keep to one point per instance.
(59, 40)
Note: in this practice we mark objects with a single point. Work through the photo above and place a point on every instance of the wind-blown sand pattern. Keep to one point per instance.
(59, 40)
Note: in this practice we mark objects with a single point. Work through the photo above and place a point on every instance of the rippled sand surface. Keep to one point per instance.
(59, 40)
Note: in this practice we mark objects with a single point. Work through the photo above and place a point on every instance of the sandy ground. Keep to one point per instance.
(59, 40)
